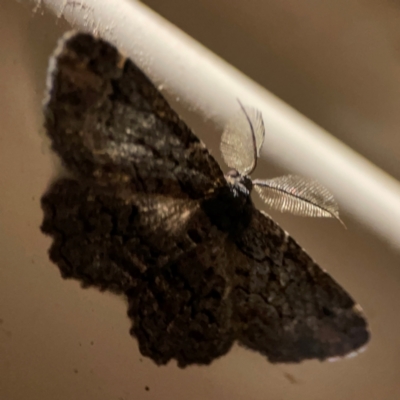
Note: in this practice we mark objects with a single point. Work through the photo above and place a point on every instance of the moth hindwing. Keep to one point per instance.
(148, 213)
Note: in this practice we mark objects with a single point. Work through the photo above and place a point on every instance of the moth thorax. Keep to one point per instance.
(241, 184)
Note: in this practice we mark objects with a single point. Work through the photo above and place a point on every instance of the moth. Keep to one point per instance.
(146, 212)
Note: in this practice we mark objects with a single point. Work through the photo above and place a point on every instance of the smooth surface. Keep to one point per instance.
(59, 341)
(204, 86)
(337, 62)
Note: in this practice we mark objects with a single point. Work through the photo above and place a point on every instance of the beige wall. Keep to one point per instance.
(338, 62)
(335, 61)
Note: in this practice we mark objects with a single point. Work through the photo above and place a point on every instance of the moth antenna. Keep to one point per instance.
(253, 138)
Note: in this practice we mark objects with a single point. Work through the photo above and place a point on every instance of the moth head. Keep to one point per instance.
(242, 184)
(241, 144)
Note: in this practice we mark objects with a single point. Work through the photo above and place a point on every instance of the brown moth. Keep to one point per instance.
(147, 213)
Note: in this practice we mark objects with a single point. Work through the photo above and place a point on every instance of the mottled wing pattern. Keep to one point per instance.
(151, 230)
(130, 220)
(183, 311)
(81, 224)
(288, 307)
(148, 214)
(193, 289)
(110, 125)
(172, 263)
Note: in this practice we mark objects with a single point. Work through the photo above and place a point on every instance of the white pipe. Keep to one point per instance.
(209, 86)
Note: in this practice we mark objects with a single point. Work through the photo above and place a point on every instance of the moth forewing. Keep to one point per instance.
(152, 217)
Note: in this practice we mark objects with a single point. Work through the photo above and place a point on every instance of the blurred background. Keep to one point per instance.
(338, 63)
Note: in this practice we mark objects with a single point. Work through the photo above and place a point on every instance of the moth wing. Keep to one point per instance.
(182, 311)
(193, 290)
(99, 233)
(164, 254)
(110, 125)
(288, 307)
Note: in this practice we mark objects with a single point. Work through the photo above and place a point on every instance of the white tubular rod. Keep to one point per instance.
(209, 86)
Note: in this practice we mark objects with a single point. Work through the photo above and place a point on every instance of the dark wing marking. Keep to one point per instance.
(183, 310)
(110, 125)
(289, 308)
(168, 259)
(100, 229)
(193, 289)
(198, 274)
(82, 225)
